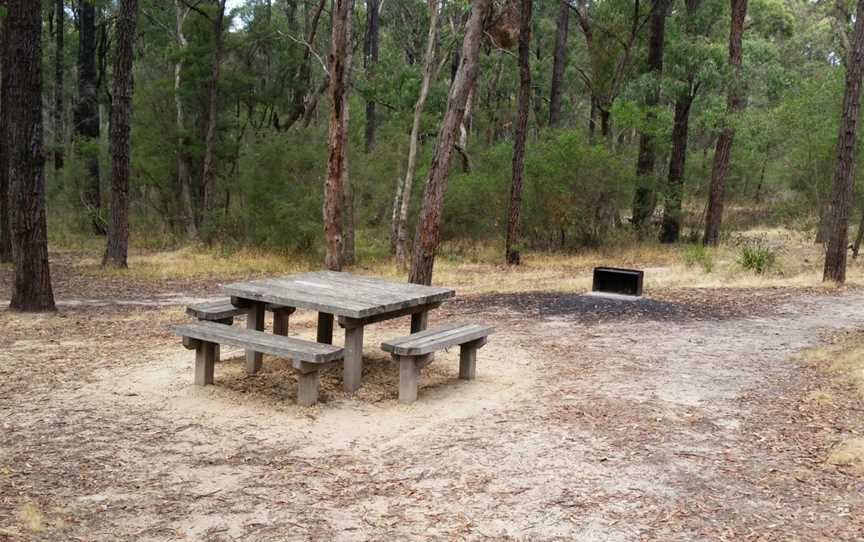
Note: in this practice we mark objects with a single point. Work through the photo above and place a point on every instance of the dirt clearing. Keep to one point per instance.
(678, 418)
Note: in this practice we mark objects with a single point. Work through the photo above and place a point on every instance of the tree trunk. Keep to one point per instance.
(59, 69)
(31, 291)
(208, 171)
(87, 110)
(184, 177)
(348, 254)
(404, 199)
(844, 172)
(121, 121)
(5, 219)
(334, 196)
(670, 230)
(428, 232)
(559, 64)
(645, 199)
(592, 122)
(735, 103)
(605, 123)
(858, 238)
(370, 60)
(300, 108)
(512, 248)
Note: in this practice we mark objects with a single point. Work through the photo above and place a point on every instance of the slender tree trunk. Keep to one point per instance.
(184, 177)
(5, 112)
(121, 121)
(592, 121)
(645, 198)
(87, 110)
(370, 60)
(465, 125)
(59, 69)
(493, 99)
(670, 230)
(404, 199)
(858, 238)
(300, 108)
(559, 64)
(348, 253)
(31, 291)
(844, 172)
(428, 232)
(512, 249)
(605, 123)
(734, 105)
(334, 195)
(208, 171)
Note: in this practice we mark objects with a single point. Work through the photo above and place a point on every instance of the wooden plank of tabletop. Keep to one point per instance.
(342, 294)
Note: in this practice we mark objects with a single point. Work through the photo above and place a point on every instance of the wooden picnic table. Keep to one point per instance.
(355, 300)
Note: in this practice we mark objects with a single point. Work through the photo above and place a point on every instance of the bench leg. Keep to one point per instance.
(307, 387)
(467, 362)
(352, 368)
(407, 379)
(205, 361)
(325, 328)
(255, 320)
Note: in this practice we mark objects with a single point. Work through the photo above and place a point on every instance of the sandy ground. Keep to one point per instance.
(679, 418)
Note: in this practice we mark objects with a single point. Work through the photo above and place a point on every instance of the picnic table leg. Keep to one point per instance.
(419, 321)
(325, 328)
(227, 322)
(255, 320)
(352, 365)
(280, 320)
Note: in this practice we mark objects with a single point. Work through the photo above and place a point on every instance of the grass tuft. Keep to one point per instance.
(849, 454)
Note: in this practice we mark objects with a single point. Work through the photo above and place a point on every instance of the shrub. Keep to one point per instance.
(757, 256)
(697, 254)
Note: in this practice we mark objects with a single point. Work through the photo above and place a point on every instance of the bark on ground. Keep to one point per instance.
(679, 418)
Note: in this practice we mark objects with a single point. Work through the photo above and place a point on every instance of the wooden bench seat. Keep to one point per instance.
(223, 311)
(415, 351)
(307, 357)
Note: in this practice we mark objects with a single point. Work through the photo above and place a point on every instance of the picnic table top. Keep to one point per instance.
(341, 294)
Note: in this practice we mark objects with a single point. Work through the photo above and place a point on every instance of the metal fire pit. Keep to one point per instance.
(618, 281)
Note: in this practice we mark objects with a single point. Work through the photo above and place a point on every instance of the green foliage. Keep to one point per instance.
(270, 171)
(697, 254)
(757, 256)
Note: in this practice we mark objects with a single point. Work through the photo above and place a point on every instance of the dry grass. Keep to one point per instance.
(477, 269)
(849, 454)
(190, 262)
(31, 517)
(844, 360)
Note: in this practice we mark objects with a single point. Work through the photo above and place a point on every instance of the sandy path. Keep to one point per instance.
(653, 430)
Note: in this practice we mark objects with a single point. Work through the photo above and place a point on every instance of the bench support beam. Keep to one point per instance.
(307, 386)
(205, 361)
(468, 359)
(407, 379)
